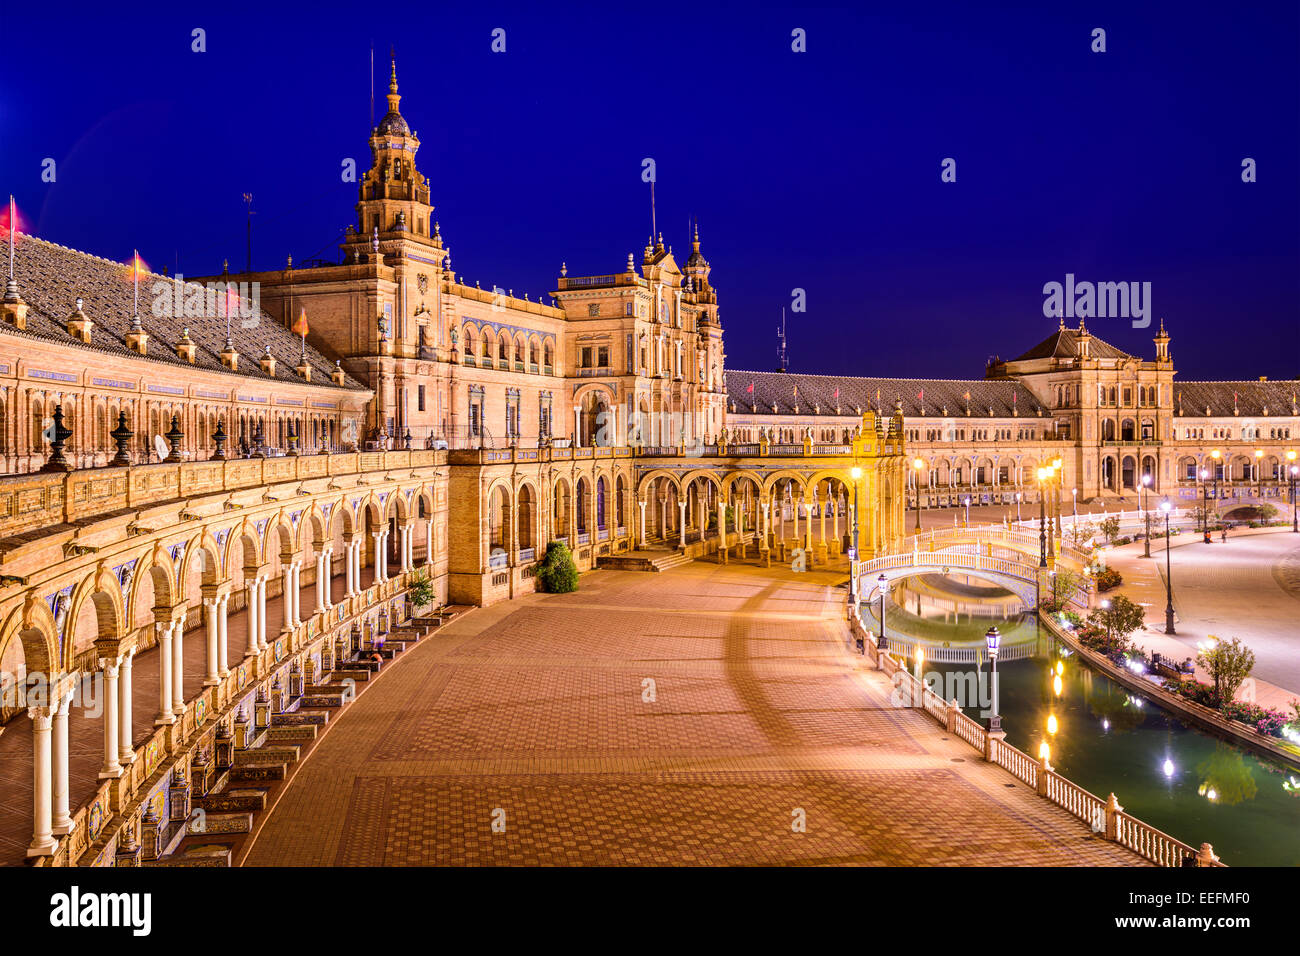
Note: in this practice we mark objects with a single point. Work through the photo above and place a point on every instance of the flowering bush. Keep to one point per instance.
(1265, 720)
(1108, 578)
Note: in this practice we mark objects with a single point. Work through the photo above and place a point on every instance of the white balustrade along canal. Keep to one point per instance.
(1103, 816)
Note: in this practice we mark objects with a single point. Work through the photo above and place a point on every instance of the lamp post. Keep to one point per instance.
(992, 641)
(1205, 505)
(1165, 506)
(1292, 471)
(1056, 484)
(966, 501)
(882, 643)
(1017, 507)
(1146, 514)
(1042, 520)
(1259, 474)
(856, 473)
(1214, 477)
(918, 464)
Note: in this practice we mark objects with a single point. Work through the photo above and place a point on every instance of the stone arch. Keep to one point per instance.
(32, 626)
(210, 572)
(785, 474)
(105, 595)
(526, 498)
(561, 505)
(157, 562)
(647, 480)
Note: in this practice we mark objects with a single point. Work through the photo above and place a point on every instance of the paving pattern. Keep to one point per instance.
(708, 715)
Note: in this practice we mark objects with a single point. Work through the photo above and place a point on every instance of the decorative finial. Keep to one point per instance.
(564, 268)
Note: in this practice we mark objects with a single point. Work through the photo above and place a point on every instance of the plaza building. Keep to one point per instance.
(219, 491)
(1110, 417)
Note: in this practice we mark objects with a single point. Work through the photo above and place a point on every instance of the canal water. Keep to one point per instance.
(1188, 783)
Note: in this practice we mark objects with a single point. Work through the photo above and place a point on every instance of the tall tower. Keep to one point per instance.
(394, 195)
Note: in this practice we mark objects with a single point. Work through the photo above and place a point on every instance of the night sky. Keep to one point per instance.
(816, 170)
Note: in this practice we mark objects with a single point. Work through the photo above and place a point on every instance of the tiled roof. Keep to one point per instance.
(1064, 343)
(1252, 399)
(51, 277)
(921, 397)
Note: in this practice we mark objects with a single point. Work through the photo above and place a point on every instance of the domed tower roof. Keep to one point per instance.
(392, 123)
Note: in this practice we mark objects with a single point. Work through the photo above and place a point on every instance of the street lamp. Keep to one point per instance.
(1292, 471)
(1042, 520)
(1146, 514)
(856, 473)
(1074, 505)
(1058, 475)
(966, 502)
(1017, 507)
(1205, 505)
(992, 641)
(882, 643)
(1165, 506)
(1214, 477)
(918, 464)
(1259, 474)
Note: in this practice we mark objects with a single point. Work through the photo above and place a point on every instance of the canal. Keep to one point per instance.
(1167, 773)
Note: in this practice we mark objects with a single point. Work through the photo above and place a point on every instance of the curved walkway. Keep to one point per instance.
(1247, 588)
(690, 717)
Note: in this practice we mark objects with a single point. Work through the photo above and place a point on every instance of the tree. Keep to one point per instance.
(1121, 619)
(557, 573)
(420, 590)
(1063, 584)
(1229, 664)
(1109, 527)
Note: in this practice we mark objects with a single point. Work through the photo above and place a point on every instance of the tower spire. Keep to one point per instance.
(393, 98)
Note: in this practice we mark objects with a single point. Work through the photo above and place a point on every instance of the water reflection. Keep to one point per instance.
(1171, 775)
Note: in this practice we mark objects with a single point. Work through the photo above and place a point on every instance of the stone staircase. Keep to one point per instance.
(226, 815)
(644, 561)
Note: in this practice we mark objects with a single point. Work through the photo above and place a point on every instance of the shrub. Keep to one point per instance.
(556, 573)
(1108, 578)
(420, 590)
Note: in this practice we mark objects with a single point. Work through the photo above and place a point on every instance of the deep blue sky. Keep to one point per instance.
(817, 170)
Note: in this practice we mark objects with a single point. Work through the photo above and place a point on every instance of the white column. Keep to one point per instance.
(327, 585)
(681, 526)
(378, 555)
(287, 598)
(348, 576)
(722, 525)
(428, 541)
(297, 593)
(261, 613)
(43, 843)
(641, 505)
(62, 819)
(253, 631)
(125, 693)
(320, 581)
(178, 666)
(212, 607)
(112, 766)
(165, 715)
(222, 643)
(765, 524)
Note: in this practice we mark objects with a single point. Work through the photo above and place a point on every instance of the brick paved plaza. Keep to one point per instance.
(535, 713)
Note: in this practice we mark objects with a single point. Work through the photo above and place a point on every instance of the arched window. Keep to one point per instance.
(600, 504)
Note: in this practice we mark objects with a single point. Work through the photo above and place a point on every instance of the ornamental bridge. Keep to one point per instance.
(1007, 558)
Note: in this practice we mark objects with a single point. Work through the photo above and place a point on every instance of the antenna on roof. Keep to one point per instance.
(654, 230)
(782, 360)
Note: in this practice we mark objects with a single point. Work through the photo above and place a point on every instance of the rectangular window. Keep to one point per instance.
(627, 308)
(419, 398)
(586, 358)
(602, 356)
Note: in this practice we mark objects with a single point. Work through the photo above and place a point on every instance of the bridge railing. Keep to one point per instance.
(995, 534)
(1105, 817)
